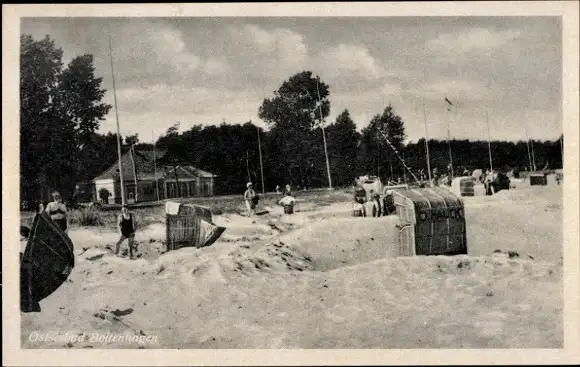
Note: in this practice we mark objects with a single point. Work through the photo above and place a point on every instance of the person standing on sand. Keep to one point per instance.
(377, 207)
(389, 203)
(288, 202)
(488, 183)
(249, 196)
(126, 226)
(57, 211)
(287, 190)
(436, 177)
(370, 204)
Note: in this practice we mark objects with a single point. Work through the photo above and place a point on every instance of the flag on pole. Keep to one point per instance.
(448, 102)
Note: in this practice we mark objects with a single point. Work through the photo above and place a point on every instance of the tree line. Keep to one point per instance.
(61, 110)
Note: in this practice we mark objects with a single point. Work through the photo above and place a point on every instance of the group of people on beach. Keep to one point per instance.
(251, 199)
(373, 205)
(57, 211)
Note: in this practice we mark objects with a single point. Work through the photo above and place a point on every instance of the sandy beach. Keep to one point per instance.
(320, 279)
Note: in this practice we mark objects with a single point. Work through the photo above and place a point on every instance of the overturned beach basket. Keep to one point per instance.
(190, 225)
(538, 179)
(463, 186)
(432, 222)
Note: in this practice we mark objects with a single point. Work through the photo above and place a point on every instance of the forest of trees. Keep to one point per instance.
(61, 110)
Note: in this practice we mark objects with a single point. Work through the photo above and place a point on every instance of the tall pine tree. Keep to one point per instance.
(343, 139)
(59, 109)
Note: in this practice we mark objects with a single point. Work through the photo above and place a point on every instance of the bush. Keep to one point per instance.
(87, 217)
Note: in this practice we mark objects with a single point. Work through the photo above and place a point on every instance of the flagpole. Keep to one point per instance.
(488, 141)
(155, 164)
(378, 162)
(528, 146)
(134, 172)
(427, 143)
(379, 156)
(261, 167)
(449, 147)
(449, 140)
(248, 168)
(486, 114)
(121, 178)
(323, 136)
(533, 156)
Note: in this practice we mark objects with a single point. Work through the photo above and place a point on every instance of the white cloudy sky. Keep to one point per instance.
(203, 70)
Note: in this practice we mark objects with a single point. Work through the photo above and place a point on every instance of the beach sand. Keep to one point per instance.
(321, 279)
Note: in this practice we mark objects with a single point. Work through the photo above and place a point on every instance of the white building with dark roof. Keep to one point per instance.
(144, 180)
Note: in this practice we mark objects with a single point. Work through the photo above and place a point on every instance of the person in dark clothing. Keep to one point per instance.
(388, 203)
(126, 226)
(74, 201)
(359, 194)
(377, 207)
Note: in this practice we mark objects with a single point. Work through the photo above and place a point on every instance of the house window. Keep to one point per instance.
(149, 189)
(192, 191)
(183, 189)
(206, 186)
(171, 190)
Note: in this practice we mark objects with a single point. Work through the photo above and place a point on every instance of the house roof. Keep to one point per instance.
(145, 167)
(188, 171)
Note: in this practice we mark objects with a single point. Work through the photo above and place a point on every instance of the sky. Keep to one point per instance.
(204, 70)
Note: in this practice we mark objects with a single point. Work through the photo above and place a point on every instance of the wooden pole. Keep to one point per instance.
(155, 165)
(323, 136)
(378, 162)
(121, 178)
(427, 144)
(488, 141)
(529, 155)
(528, 146)
(487, 117)
(533, 156)
(449, 142)
(261, 166)
(177, 188)
(248, 168)
(134, 171)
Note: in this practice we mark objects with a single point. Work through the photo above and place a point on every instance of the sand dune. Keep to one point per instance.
(322, 279)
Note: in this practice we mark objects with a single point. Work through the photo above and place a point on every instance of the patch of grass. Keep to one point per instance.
(108, 219)
(86, 217)
(148, 215)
